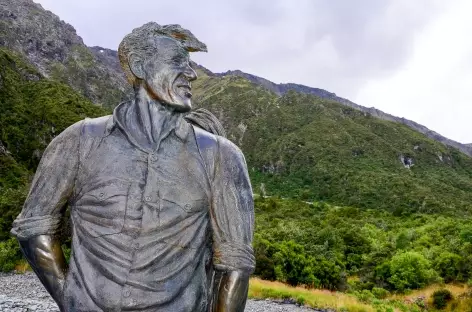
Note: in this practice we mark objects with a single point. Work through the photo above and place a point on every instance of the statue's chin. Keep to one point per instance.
(179, 107)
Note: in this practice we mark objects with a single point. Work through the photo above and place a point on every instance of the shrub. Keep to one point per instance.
(449, 266)
(441, 298)
(9, 255)
(380, 293)
(410, 270)
(301, 300)
(364, 296)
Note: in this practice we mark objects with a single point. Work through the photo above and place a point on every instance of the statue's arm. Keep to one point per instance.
(40, 220)
(231, 291)
(232, 218)
(44, 254)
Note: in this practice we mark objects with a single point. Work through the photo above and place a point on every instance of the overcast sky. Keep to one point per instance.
(409, 58)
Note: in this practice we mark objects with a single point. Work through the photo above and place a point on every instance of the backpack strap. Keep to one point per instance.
(207, 144)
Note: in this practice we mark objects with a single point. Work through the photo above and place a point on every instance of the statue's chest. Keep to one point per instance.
(118, 182)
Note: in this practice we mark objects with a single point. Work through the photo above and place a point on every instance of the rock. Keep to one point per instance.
(54, 47)
(24, 293)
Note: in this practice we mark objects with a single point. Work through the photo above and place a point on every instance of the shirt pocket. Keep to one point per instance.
(189, 205)
(102, 210)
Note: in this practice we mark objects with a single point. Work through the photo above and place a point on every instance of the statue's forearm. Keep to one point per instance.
(231, 292)
(44, 254)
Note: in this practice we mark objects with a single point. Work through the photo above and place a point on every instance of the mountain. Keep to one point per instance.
(299, 141)
(56, 50)
(54, 47)
(34, 110)
(304, 146)
(283, 88)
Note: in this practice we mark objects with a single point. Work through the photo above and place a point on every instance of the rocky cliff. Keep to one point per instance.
(54, 47)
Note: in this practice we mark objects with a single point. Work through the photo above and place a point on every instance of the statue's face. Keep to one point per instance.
(167, 75)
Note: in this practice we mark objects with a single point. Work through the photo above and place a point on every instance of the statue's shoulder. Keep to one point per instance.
(97, 127)
(205, 140)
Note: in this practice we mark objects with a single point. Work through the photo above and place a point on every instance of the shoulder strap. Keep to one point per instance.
(207, 144)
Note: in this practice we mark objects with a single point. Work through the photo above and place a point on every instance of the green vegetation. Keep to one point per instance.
(441, 298)
(301, 146)
(82, 71)
(34, 110)
(320, 245)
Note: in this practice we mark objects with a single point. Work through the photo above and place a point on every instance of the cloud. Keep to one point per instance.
(434, 86)
(345, 47)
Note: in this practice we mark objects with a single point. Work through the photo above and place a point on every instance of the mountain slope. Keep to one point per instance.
(59, 53)
(304, 146)
(54, 47)
(34, 110)
(296, 144)
(283, 88)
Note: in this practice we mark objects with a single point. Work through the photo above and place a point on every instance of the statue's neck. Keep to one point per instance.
(149, 121)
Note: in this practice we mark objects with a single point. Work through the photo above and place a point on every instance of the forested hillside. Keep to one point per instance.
(34, 110)
(305, 147)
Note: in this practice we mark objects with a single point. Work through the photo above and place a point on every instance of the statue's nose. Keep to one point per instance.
(190, 74)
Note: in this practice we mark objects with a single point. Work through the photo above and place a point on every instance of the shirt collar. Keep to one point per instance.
(181, 129)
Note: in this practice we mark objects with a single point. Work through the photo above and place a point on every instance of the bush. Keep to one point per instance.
(441, 298)
(410, 270)
(449, 266)
(293, 266)
(380, 293)
(301, 300)
(365, 296)
(9, 255)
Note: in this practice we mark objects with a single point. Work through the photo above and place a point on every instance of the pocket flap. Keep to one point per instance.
(110, 190)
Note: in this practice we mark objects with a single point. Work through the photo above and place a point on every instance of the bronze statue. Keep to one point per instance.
(161, 203)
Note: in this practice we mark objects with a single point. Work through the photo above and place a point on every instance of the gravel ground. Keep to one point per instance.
(24, 293)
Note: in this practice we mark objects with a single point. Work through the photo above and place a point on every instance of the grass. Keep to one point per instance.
(22, 266)
(315, 298)
(462, 301)
(324, 299)
(457, 291)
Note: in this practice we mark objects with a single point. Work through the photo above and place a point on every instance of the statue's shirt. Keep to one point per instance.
(149, 227)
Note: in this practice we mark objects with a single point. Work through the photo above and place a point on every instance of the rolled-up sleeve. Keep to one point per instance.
(232, 210)
(51, 187)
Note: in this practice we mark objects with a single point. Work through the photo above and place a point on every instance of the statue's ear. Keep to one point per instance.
(136, 65)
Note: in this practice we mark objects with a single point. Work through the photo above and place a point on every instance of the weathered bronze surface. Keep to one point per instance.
(161, 203)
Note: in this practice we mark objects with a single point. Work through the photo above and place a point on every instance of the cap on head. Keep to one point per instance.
(138, 41)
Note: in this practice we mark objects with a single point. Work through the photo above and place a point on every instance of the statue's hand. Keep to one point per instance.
(231, 292)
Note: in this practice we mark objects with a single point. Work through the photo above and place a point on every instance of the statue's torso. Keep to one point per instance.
(141, 238)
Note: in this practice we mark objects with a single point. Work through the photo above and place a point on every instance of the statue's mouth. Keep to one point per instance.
(186, 88)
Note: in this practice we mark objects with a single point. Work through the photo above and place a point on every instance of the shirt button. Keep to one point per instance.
(101, 195)
(126, 293)
(187, 206)
(153, 157)
(136, 246)
(148, 198)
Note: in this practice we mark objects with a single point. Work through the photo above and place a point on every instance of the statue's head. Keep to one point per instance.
(157, 58)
